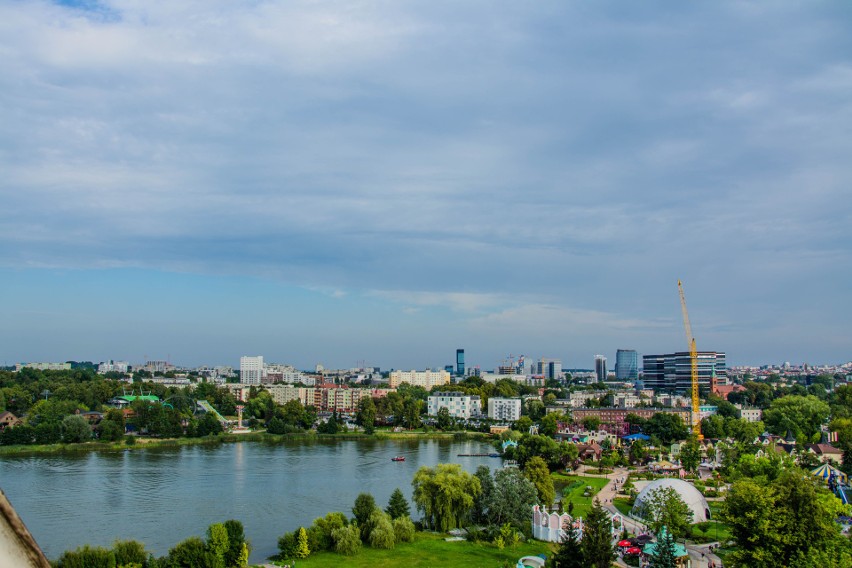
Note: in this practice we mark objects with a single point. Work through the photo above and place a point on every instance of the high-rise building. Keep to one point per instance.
(504, 409)
(460, 362)
(673, 371)
(550, 368)
(251, 370)
(600, 368)
(626, 365)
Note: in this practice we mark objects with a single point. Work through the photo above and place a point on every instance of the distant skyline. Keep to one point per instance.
(335, 182)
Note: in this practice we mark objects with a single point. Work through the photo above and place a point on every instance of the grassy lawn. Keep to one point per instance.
(430, 550)
(623, 506)
(573, 487)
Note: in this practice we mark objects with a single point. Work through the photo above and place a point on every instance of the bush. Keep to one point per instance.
(287, 545)
(381, 530)
(129, 552)
(87, 557)
(320, 533)
(347, 540)
(403, 529)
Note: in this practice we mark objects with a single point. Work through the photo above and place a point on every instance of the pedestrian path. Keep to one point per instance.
(699, 554)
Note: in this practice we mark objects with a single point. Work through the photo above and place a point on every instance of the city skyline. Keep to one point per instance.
(328, 183)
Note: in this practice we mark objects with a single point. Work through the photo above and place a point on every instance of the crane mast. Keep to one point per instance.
(693, 362)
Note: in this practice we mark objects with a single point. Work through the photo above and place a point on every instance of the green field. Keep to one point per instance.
(623, 505)
(427, 551)
(573, 487)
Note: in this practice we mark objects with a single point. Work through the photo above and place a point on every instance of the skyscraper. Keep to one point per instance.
(460, 362)
(550, 368)
(673, 371)
(600, 368)
(626, 365)
(251, 370)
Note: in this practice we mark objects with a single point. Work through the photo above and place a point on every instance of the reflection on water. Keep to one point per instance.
(162, 496)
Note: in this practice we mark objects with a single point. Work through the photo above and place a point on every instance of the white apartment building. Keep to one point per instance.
(504, 409)
(459, 405)
(426, 379)
(251, 370)
(282, 394)
(113, 367)
(43, 366)
(751, 414)
(275, 373)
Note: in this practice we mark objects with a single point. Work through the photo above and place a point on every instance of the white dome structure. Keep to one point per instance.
(690, 495)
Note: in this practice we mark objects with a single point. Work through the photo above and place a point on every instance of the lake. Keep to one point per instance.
(162, 496)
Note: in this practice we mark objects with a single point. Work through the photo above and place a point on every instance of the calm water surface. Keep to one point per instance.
(162, 496)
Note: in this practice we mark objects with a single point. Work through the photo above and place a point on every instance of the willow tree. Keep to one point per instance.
(445, 495)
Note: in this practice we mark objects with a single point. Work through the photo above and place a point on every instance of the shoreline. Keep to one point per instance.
(261, 436)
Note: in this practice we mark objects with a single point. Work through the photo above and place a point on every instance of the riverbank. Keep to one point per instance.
(142, 443)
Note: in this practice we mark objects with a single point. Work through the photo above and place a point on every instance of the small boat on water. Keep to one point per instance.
(398, 459)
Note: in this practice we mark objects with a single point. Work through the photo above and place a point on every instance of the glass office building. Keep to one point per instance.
(626, 365)
(460, 362)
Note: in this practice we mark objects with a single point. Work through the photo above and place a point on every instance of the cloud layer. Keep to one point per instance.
(566, 161)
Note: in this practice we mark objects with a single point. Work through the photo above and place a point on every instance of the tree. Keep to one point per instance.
(570, 552)
(664, 551)
(129, 552)
(445, 421)
(523, 424)
(236, 542)
(783, 522)
(347, 540)
(217, 542)
(591, 423)
(537, 472)
(366, 414)
(665, 507)
(690, 454)
(302, 550)
(549, 424)
(191, 553)
(510, 500)
(403, 529)
(480, 505)
(801, 415)
(364, 506)
(397, 505)
(381, 530)
(87, 557)
(445, 494)
(597, 539)
(638, 452)
(320, 533)
(668, 427)
(76, 429)
(411, 412)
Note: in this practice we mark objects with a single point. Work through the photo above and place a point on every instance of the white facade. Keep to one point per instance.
(282, 394)
(426, 379)
(459, 405)
(251, 370)
(751, 414)
(113, 367)
(44, 366)
(275, 373)
(504, 409)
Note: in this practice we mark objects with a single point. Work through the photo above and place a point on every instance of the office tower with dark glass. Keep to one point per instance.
(672, 372)
(626, 365)
(550, 368)
(600, 368)
(460, 362)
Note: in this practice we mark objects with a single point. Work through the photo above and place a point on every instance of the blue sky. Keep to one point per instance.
(387, 181)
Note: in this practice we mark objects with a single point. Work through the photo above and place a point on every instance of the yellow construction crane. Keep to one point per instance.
(693, 361)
